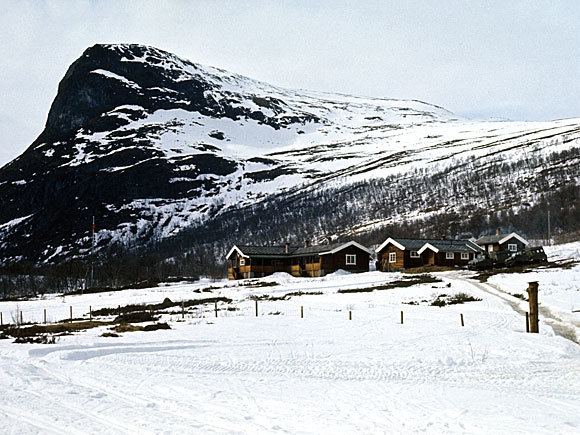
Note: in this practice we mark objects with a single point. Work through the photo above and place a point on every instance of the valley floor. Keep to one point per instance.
(324, 373)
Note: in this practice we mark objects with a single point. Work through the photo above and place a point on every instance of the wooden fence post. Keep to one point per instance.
(527, 322)
(533, 298)
(301, 312)
(71, 316)
(349, 315)
(462, 323)
(215, 309)
(182, 310)
(119, 310)
(45, 316)
(401, 317)
(1, 320)
(90, 313)
(256, 307)
(21, 318)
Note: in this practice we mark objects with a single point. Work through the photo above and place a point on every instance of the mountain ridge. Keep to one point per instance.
(154, 145)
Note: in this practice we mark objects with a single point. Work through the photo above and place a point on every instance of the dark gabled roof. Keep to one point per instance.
(490, 239)
(276, 251)
(312, 250)
(499, 238)
(413, 244)
(454, 245)
(279, 251)
(410, 244)
(440, 244)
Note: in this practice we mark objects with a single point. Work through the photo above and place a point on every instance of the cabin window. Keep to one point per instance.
(350, 259)
(512, 247)
(465, 255)
(392, 257)
(450, 255)
(414, 254)
(242, 261)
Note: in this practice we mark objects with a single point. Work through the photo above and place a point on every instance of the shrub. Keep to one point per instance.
(127, 327)
(406, 282)
(137, 317)
(167, 303)
(156, 326)
(459, 298)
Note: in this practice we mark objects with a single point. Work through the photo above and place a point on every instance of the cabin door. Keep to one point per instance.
(430, 258)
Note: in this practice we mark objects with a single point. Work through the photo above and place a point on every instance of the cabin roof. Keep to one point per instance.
(293, 250)
(450, 246)
(442, 245)
(500, 238)
(267, 250)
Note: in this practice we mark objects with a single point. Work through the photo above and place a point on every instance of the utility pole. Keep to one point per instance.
(93, 254)
(549, 231)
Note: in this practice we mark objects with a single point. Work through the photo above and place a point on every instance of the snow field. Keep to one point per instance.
(559, 288)
(278, 373)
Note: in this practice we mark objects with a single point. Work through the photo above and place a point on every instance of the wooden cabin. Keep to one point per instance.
(499, 242)
(246, 261)
(399, 254)
(448, 253)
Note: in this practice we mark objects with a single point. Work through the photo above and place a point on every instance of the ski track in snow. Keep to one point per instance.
(283, 374)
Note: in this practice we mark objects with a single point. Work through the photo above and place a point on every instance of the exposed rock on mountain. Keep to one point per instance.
(156, 147)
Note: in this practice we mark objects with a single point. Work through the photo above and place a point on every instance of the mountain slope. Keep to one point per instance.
(153, 145)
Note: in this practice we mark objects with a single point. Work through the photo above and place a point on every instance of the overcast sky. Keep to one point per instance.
(508, 59)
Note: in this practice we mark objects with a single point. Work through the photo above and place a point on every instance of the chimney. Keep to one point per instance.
(286, 247)
(498, 232)
(307, 243)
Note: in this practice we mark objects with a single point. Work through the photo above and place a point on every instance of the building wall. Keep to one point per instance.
(383, 259)
(306, 266)
(496, 247)
(256, 267)
(332, 262)
(513, 240)
(442, 260)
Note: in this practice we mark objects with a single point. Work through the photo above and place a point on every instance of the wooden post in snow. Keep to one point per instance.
(533, 298)
(215, 309)
(21, 318)
(301, 312)
(462, 323)
(71, 316)
(90, 313)
(256, 301)
(401, 317)
(45, 316)
(182, 310)
(527, 322)
(1, 320)
(349, 315)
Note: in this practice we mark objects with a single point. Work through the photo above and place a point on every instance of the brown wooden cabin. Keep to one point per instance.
(449, 253)
(256, 261)
(498, 242)
(399, 254)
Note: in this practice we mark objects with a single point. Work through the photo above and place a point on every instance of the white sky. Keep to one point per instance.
(509, 59)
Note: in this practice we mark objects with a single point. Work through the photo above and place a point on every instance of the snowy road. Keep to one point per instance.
(321, 374)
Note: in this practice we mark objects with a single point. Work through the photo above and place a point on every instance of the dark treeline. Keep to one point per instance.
(469, 199)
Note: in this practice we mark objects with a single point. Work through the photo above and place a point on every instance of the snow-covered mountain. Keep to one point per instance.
(155, 146)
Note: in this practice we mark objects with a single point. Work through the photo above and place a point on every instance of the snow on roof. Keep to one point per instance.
(500, 238)
(293, 250)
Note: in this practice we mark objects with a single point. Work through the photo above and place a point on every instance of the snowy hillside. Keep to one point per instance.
(322, 373)
(153, 145)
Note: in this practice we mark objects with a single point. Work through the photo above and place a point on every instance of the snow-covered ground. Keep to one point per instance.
(279, 373)
(559, 288)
